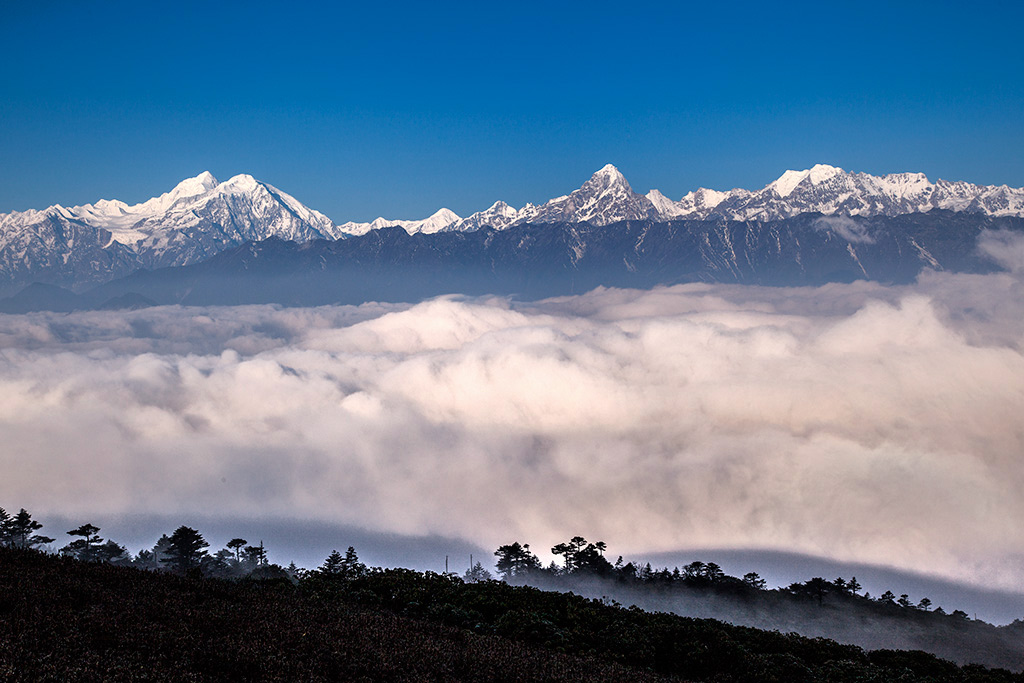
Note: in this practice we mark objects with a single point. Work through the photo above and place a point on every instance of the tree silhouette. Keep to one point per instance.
(22, 527)
(515, 559)
(185, 549)
(112, 553)
(569, 551)
(754, 580)
(236, 545)
(590, 560)
(477, 573)
(695, 571)
(256, 554)
(351, 567)
(333, 564)
(819, 588)
(700, 574)
(6, 528)
(85, 547)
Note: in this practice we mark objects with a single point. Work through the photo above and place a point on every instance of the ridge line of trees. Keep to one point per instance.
(185, 552)
(581, 558)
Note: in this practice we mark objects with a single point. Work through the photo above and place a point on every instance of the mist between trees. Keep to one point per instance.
(185, 551)
(837, 609)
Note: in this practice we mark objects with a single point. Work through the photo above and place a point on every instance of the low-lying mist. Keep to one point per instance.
(859, 422)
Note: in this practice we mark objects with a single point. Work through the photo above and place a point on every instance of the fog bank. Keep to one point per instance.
(858, 423)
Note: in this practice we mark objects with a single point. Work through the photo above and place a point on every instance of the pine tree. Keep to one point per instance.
(185, 549)
(6, 528)
(334, 564)
(85, 547)
(351, 567)
(236, 545)
(22, 527)
(477, 573)
(754, 580)
(515, 559)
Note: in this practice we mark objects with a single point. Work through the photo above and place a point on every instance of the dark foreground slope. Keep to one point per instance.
(65, 620)
(62, 620)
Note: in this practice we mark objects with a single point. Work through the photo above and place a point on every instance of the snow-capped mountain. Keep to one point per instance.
(499, 216)
(830, 190)
(605, 198)
(608, 198)
(440, 220)
(203, 210)
(200, 217)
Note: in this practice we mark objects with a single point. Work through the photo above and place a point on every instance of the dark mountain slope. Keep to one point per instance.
(535, 261)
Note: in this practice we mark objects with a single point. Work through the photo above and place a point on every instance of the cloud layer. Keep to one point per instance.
(856, 422)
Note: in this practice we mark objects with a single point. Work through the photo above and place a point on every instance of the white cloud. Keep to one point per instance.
(858, 422)
(847, 228)
(1004, 247)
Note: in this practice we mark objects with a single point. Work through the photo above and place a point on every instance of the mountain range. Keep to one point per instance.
(608, 198)
(85, 246)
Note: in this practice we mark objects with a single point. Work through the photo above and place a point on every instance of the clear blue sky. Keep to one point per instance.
(363, 109)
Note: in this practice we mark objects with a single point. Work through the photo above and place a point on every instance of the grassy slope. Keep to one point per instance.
(63, 620)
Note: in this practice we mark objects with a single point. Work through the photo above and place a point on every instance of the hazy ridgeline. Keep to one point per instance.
(838, 609)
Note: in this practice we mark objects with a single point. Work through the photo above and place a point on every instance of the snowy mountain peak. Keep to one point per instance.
(441, 220)
(206, 180)
(444, 215)
(196, 219)
(817, 174)
(830, 190)
(663, 204)
(605, 198)
(190, 187)
(243, 182)
(499, 215)
(608, 177)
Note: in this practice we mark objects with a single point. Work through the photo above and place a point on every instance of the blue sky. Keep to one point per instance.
(398, 109)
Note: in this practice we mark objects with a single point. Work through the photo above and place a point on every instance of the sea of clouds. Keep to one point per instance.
(856, 422)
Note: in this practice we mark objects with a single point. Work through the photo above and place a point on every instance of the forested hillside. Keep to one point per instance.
(65, 619)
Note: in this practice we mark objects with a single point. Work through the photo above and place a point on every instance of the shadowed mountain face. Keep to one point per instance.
(537, 261)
